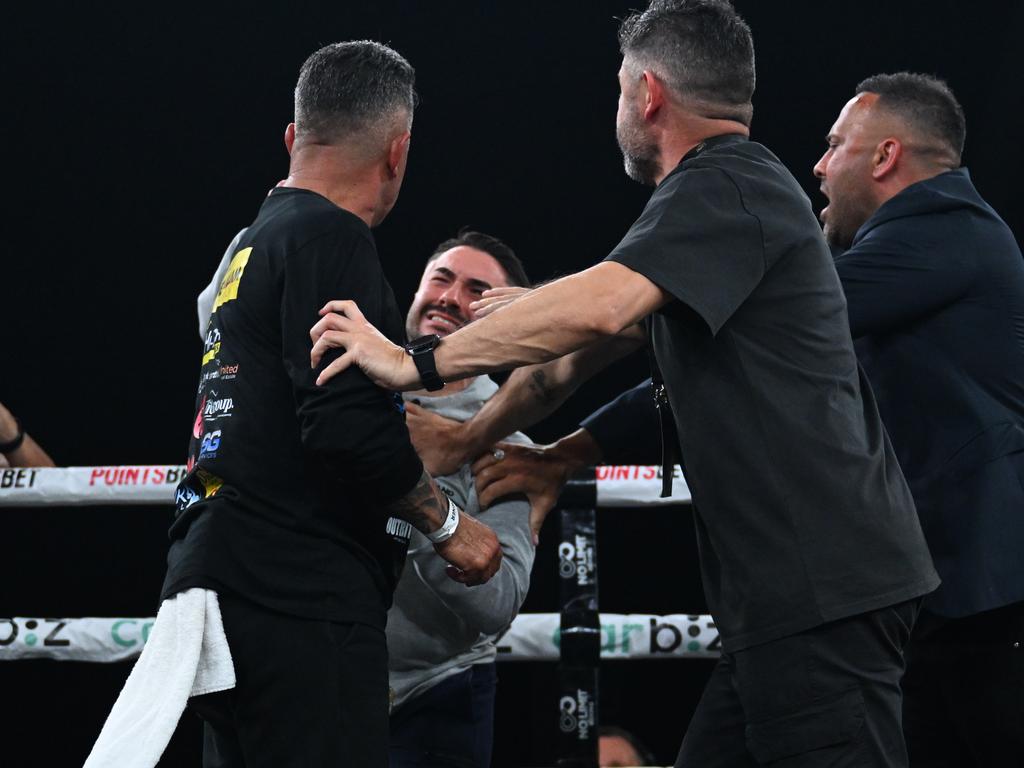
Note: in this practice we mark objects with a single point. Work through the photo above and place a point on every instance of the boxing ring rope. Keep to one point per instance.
(579, 637)
(532, 636)
(621, 486)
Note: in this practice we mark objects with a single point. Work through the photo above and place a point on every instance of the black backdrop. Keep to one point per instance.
(140, 139)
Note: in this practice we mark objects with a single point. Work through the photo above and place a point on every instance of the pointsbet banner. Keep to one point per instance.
(62, 486)
(624, 486)
(532, 637)
(638, 486)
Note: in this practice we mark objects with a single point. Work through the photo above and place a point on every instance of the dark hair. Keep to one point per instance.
(702, 49)
(927, 106)
(493, 247)
(347, 88)
(645, 755)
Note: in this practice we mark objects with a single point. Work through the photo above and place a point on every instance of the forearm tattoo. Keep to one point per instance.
(425, 506)
(539, 385)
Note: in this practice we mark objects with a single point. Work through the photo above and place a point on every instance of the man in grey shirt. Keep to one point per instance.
(441, 635)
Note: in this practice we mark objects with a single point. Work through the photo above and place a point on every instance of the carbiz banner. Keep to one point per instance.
(532, 637)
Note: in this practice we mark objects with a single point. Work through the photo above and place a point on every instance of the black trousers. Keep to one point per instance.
(449, 726)
(963, 692)
(309, 694)
(829, 696)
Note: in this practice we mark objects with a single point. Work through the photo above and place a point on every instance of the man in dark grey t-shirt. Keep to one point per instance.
(812, 556)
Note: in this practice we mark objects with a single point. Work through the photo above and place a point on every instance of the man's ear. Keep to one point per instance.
(653, 92)
(398, 150)
(289, 137)
(886, 160)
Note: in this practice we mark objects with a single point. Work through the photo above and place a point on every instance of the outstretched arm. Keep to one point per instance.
(549, 322)
(531, 394)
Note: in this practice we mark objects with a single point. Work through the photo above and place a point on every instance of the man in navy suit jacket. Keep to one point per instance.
(934, 282)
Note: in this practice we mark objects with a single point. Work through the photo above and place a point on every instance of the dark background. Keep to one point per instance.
(140, 139)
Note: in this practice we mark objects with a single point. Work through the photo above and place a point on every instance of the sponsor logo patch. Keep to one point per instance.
(232, 278)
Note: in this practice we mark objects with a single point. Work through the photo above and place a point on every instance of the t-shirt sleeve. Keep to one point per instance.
(697, 241)
(627, 428)
(893, 277)
(352, 430)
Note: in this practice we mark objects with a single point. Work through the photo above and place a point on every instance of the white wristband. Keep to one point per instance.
(447, 529)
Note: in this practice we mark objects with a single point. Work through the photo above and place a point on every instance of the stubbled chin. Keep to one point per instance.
(427, 327)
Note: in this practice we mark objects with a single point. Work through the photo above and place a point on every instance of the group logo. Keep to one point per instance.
(217, 408)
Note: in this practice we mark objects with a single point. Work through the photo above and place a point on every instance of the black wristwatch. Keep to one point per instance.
(422, 351)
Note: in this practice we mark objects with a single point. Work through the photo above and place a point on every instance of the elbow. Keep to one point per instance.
(490, 625)
(497, 619)
(610, 322)
(501, 608)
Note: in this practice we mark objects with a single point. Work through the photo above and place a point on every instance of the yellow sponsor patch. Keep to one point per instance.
(229, 285)
(212, 353)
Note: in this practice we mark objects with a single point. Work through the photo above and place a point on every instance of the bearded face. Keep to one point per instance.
(640, 154)
(845, 171)
(847, 210)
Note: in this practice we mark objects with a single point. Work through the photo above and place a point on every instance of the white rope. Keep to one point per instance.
(532, 637)
(66, 486)
(625, 486)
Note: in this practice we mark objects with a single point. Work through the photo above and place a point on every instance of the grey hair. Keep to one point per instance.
(350, 89)
(702, 49)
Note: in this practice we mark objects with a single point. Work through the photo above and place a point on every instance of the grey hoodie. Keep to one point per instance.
(437, 627)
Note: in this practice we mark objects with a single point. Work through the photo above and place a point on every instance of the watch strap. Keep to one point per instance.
(422, 352)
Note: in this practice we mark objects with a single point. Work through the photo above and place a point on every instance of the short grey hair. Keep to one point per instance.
(702, 49)
(352, 88)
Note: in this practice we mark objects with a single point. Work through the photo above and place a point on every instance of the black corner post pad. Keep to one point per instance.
(579, 638)
(581, 491)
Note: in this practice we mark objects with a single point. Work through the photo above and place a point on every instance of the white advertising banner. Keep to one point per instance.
(622, 486)
(72, 486)
(638, 486)
(532, 637)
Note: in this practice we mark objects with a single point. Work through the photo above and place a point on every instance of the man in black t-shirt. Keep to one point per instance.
(812, 557)
(298, 501)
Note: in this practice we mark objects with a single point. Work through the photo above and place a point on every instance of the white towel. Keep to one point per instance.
(186, 655)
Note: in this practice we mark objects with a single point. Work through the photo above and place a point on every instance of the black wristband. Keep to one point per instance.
(15, 444)
(422, 352)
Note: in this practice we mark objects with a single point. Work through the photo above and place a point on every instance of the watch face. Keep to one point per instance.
(423, 344)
